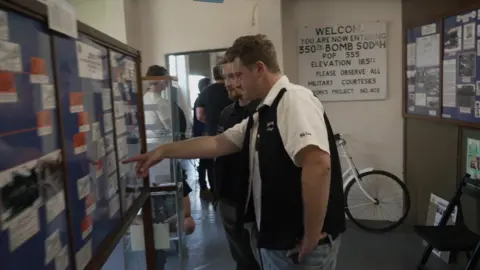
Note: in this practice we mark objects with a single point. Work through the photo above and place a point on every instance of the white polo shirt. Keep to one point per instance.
(300, 123)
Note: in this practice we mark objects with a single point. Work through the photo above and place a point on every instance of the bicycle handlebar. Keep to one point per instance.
(339, 139)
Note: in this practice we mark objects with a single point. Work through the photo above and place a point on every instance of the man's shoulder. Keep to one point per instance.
(228, 109)
(300, 97)
(298, 92)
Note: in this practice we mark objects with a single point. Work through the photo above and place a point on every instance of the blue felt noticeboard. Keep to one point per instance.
(33, 222)
(461, 90)
(423, 70)
(90, 142)
(125, 95)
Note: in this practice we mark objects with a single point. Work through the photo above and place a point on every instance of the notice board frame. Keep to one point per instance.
(38, 11)
(411, 24)
(416, 13)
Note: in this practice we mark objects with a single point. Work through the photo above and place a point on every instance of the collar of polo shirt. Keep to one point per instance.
(279, 85)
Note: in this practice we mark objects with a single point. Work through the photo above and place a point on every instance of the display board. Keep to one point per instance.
(33, 220)
(90, 142)
(344, 62)
(461, 96)
(423, 70)
(125, 96)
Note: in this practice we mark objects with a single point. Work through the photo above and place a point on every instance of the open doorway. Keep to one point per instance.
(190, 68)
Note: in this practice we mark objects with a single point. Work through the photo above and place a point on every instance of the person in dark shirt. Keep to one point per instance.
(210, 103)
(198, 128)
(204, 167)
(213, 100)
(227, 176)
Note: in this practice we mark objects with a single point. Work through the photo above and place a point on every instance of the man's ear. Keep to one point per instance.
(260, 67)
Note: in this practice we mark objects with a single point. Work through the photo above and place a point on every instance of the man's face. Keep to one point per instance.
(231, 83)
(248, 80)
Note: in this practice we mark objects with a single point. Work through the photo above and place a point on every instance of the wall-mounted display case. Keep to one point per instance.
(71, 112)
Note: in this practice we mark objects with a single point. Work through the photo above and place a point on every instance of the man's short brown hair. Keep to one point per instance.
(253, 48)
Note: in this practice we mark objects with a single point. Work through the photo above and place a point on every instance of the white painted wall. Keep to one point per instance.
(158, 27)
(107, 16)
(374, 129)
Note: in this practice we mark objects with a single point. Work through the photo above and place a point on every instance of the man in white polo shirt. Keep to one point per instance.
(294, 194)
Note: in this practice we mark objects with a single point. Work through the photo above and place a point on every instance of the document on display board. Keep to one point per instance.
(10, 57)
(411, 54)
(428, 53)
(449, 83)
(4, 29)
(62, 17)
(90, 61)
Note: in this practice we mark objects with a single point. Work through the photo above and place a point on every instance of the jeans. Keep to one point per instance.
(323, 257)
(238, 238)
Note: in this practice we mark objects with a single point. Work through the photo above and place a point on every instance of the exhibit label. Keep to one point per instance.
(90, 62)
(344, 62)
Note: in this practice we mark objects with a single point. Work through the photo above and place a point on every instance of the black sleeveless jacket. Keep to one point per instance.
(281, 224)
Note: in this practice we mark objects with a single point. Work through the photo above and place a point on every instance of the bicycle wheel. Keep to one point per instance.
(383, 183)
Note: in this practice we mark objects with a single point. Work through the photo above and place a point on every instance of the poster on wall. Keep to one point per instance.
(423, 70)
(344, 62)
(461, 92)
(473, 158)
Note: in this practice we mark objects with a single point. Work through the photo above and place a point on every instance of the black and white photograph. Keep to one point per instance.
(433, 102)
(431, 81)
(50, 173)
(465, 95)
(411, 76)
(21, 192)
(467, 64)
(478, 88)
(453, 40)
(477, 109)
(411, 98)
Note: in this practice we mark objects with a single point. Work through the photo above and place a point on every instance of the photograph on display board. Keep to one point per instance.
(423, 70)
(460, 72)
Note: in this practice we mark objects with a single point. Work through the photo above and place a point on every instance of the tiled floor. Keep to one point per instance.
(207, 247)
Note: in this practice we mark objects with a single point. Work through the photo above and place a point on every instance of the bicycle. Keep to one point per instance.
(355, 183)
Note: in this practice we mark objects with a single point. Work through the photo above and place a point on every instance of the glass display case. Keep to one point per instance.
(165, 110)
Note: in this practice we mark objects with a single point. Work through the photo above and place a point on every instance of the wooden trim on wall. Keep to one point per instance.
(447, 121)
(195, 52)
(159, 78)
(440, 15)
